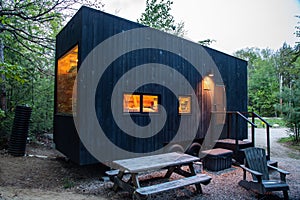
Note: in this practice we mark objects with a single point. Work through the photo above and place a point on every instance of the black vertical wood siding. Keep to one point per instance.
(88, 28)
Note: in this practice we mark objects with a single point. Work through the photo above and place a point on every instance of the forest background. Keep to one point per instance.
(27, 49)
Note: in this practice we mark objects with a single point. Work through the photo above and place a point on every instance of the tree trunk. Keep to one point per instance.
(297, 133)
(3, 89)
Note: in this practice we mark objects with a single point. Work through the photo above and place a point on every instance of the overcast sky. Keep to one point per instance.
(234, 24)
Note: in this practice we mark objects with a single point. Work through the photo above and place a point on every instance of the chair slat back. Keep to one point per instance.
(256, 160)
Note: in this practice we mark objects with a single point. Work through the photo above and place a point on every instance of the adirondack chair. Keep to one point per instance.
(256, 164)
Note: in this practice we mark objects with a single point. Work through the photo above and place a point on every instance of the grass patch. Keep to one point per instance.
(270, 120)
(68, 183)
(290, 143)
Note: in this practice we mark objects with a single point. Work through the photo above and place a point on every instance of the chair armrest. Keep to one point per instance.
(279, 170)
(282, 172)
(256, 173)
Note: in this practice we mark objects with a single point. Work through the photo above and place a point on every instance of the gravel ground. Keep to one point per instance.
(224, 184)
(53, 177)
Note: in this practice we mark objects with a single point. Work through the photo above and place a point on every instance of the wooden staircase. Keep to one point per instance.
(236, 145)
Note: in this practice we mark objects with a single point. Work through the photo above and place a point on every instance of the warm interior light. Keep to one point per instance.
(131, 103)
(150, 103)
(134, 103)
(68, 63)
(184, 104)
(207, 83)
(66, 75)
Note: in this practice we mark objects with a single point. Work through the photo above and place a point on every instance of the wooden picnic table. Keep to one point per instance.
(173, 162)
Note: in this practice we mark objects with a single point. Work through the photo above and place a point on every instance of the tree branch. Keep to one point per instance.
(29, 60)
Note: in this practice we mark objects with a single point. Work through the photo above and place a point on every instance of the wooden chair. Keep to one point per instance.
(256, 164)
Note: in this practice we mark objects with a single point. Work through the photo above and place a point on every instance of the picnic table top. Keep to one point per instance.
(154, 162)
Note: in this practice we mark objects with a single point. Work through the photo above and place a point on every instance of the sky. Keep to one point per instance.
(233, 24)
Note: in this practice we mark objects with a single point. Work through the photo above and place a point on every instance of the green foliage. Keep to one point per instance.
(263, 86)
(249, 54)
(291, 108)
(276, 120)
(206, 42)
(268, 72)
(28, 29)
(288, 68)
(2, 113)
(263, 83)
(297, 32)
(13, 73)
(36, 93)
(42, 107)
(271, 121)
(157, 15)
(30, 25)
(6, 122)
(294, 146)
(68, 183)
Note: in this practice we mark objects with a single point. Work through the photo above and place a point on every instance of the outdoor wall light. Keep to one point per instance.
(210, 73)
(206, 84)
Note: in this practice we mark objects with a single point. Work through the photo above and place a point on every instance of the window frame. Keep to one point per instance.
(141, 112)
(57, 94)
(190, 104)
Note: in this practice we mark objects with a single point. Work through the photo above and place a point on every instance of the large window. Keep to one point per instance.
(66, 75)
(140, 103)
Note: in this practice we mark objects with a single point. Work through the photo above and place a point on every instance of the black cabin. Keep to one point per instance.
(136, 80)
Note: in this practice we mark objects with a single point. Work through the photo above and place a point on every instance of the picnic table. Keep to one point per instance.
(173, 162)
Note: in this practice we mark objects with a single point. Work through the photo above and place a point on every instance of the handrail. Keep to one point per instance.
(264, 121)
(245, 118)
(253, 126)
(259, 117)
(253, 115)
(239, 114)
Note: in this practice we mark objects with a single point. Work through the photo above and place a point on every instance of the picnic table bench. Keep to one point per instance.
(173, 162)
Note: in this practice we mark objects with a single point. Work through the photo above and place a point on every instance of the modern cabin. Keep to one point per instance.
(161, 63)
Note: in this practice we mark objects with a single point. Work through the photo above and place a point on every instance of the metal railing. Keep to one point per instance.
(253, 115)
(244, 116)
(241, 116)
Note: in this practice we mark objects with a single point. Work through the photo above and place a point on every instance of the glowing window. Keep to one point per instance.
(184, 104)
(150, 103)
(66, 75)
(139, 103)
(131, 103)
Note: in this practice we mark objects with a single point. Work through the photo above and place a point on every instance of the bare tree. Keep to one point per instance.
(28, 29)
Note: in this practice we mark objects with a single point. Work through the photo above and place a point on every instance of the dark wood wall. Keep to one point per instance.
(234, 75)
(88, 28)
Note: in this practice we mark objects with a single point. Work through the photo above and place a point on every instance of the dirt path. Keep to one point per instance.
(52, 177)
(277, 150)
(38, 194)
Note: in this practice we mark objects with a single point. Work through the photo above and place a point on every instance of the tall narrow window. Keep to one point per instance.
(66, 75)
(184, 104)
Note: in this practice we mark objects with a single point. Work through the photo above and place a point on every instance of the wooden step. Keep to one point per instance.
(153, 189)
(230, 144)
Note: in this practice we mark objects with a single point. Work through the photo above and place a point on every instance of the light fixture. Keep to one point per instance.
(206, 84)
(210, 73)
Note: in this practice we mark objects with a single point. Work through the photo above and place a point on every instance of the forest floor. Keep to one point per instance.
(44, 173)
